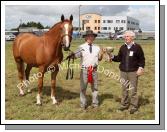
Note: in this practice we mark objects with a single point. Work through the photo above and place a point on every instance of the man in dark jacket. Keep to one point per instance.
(132, 62)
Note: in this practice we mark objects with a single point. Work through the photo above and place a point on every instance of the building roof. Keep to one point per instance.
(91, 13)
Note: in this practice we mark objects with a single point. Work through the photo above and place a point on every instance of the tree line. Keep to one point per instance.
(38, 25)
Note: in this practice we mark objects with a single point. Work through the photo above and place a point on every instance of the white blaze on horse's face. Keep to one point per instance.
(67, 39)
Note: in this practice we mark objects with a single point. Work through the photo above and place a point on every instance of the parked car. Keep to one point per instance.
(119, 36)
(145, 35)
(9, 36)
(102, 36)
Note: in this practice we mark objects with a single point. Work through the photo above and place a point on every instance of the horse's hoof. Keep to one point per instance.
(21, 95)
(57, 103)
(39, 104)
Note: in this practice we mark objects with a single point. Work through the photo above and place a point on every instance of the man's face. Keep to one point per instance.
(90, 38)
(128, 38)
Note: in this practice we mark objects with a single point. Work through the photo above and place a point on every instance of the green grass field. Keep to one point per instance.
(24, 108)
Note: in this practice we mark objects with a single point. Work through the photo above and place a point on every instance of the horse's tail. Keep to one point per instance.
(21, 69)
(16, 47)
(18, 59)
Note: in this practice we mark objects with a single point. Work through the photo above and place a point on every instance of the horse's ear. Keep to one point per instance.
(62, 18)
(71, 17)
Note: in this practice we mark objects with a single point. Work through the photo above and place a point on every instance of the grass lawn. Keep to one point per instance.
(24, 108)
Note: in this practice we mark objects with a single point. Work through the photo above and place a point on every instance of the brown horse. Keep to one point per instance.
(42, 52)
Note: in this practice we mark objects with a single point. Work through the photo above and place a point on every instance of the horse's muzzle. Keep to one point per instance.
(66, 48)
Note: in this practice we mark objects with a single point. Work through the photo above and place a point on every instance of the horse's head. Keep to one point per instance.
(67, 30)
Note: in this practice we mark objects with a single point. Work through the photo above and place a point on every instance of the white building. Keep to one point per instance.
(122, 23)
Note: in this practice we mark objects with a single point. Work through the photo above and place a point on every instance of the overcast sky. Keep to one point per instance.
(49, 15)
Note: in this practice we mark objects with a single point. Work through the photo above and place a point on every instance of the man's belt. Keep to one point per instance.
(90, 70)
(83, 67)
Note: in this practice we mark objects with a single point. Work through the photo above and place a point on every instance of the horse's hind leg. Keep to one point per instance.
(53, 84)
(27, 73)
(20, 68)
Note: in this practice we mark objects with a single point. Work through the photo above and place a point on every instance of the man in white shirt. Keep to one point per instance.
(90, 54)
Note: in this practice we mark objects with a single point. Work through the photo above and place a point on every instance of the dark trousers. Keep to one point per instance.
(131, 86)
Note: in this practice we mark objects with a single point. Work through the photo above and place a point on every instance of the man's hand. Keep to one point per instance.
(71, 55)
(102, 50)
(140, 71)
(111, 56)
(101, 53)
(109, 51)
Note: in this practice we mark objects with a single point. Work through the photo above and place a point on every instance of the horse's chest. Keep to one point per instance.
(54, 58)
(49, 56)
(57, 58)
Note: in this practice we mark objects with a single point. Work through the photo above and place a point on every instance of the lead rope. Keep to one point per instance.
(70, 70)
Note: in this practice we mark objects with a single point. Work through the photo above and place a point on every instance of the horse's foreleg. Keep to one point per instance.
(40, 85)
(27, 73)
(53, 85)
(20, 68)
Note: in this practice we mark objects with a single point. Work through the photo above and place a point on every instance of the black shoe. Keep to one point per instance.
(133, 110)
(83, 107)
(95, 106)
(122, 108)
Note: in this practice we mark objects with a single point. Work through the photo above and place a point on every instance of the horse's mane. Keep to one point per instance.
(55, 25)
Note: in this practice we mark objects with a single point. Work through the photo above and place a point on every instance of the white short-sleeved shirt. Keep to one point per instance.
(87, 58)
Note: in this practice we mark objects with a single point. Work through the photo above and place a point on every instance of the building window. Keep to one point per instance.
(117, 21)
(109, 28)
(123, 21)
(128, 22)
(121, 28)
(87, 28)
(95, 28)
(104, 28)
(104, 21)
(95, 21)
(133, 23)
(98, 21)
(109, 21)
(98, 28)
(85, 21)
(115, 28)
(131, 28)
